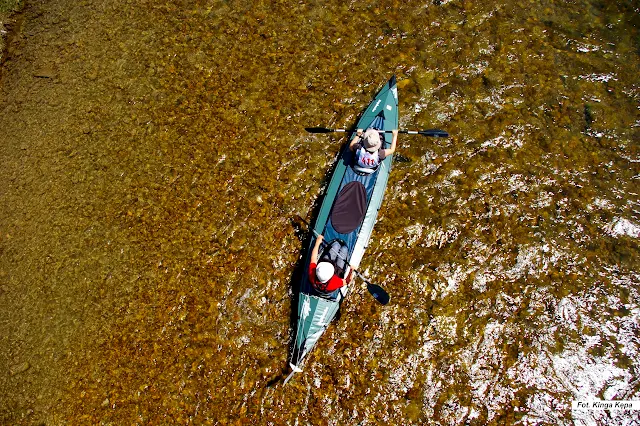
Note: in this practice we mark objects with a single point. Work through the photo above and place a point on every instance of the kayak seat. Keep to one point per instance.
(363, 170)
(335, 252)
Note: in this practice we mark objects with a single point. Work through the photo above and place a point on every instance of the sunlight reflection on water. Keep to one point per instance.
(168, 146)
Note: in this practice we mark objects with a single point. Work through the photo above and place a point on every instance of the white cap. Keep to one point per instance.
(324, 271)
(372, 141)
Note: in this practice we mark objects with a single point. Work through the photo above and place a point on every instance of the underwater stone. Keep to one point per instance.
(19, 368)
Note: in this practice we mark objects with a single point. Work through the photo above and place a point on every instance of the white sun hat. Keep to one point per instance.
(324, 271)
(372, 140)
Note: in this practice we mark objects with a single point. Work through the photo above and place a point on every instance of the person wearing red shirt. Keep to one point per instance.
(322, 275)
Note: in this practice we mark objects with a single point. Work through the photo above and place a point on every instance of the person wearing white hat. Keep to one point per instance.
(322, 275)
(368, 149)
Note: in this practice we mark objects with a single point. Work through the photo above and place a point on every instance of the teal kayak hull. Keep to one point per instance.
(316, 311)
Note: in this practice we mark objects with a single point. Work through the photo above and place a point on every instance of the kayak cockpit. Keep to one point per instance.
(334, 252)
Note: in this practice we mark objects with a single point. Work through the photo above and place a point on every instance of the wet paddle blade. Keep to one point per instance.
(318, 130)
(435, 133)
(378, 293)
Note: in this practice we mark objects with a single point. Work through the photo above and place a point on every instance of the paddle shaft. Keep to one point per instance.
(428, 132)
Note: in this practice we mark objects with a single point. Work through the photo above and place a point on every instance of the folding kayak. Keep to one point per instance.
(347, 214)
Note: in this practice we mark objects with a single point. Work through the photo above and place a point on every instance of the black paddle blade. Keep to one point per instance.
(378, 293)
(318, 130)
(435, 133)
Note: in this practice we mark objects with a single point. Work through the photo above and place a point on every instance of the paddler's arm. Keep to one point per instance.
(349, 277)
(314, 252)
(354, 143)
(392, 148)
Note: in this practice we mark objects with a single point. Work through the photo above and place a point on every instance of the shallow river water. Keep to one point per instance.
(154, 161)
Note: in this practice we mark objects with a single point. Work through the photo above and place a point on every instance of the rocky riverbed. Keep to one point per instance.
(154, 159)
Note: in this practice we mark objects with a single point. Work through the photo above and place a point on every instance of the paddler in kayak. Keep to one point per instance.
(323, 275)
(368, 148)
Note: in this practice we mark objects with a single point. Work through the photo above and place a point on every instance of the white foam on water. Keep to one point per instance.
(414, 232)
(497, 99)
(603, 78)
(622, 227)
(534, 260)
(545, 198)
(451, 276)
(602, 204)
(512, 137)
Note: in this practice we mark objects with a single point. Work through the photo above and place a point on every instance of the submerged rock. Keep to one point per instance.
(19, 368)
(44, 72)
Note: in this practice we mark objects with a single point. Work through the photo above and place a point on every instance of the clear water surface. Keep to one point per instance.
(154, 160)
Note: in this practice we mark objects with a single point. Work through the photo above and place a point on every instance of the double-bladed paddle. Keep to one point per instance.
(428, 132)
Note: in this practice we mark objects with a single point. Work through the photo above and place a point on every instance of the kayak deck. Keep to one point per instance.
(348, 212)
